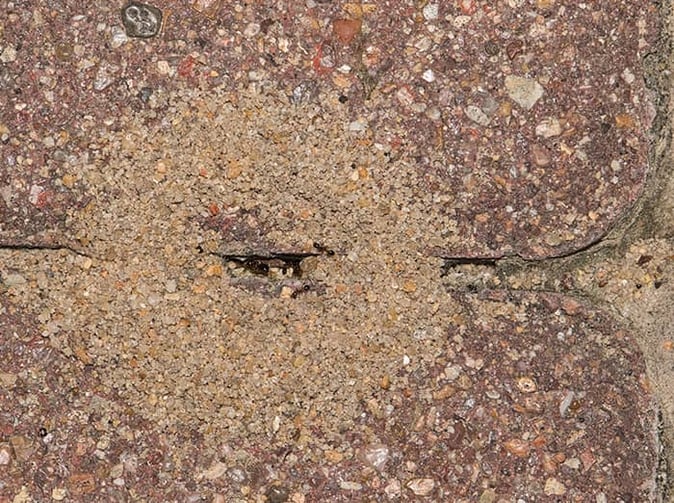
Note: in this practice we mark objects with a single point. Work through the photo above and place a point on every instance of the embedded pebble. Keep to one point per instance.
(540, 155)
(518, 447)
(104, 77)
(13, 279)
(59, 493)
(566, 403)
(8, 379)
(452, 372)
(8, 55)
(277, 494)
(348, 485)
(358, 125)
(376, 455)
(523, 91)
(488, 496)
(141, 20)
(251, 30)
(393, 489)
(428, 75)
(554, 487)
(421, 487)
(548, 128)
(215, 471)
(477, 115)
(430, 11)
(5, 454)
(118, 37)
(526, 384)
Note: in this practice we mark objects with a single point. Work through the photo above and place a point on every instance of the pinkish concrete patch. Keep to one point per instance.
(533, 397)
(530, 119)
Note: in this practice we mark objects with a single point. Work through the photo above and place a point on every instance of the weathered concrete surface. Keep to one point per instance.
(221, 267)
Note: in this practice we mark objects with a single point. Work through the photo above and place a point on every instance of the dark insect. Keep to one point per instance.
(318, 246)
(305, 288)
(644, 259)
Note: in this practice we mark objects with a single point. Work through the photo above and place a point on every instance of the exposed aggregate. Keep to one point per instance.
(141, 363)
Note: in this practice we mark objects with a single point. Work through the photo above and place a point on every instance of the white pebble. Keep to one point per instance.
(376, 455)
(348, 485)
(251, 30)
(477, 115)
(523, 91)
(428, 75)
(421, 487)
(430, 11)
(118, 38)
(163, 67)
(8, 55)
(358, 125)
(58, 494)
(549, 127)
(393, 489)
(628, 76)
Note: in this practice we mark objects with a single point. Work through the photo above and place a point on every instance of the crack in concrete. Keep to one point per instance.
(263, 264)
(29, 247)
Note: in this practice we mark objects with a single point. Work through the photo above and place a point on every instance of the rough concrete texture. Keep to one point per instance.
(336, 251)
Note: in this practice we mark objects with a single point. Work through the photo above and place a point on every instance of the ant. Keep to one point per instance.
(322, 249)
(305, 288)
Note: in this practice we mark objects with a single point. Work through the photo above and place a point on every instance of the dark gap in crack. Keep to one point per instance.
(474, 274)
(452, 263)
(508, 265)
(273, 274)
(605, 240)
(43, 247)
(264, 264)
(268, 264)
